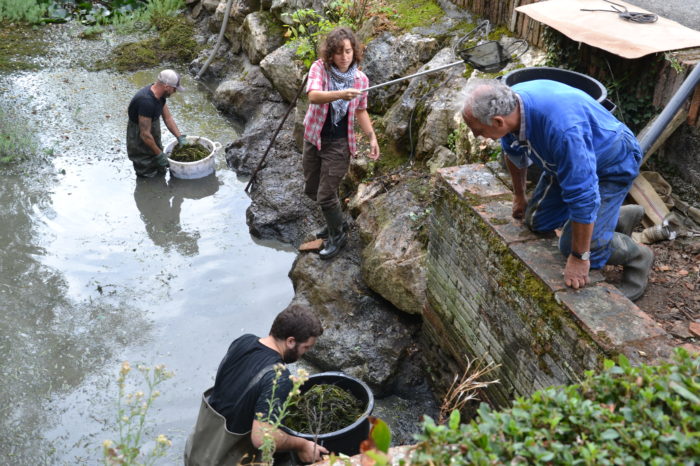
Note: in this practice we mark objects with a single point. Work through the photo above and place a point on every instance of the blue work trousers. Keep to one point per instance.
(546, 211)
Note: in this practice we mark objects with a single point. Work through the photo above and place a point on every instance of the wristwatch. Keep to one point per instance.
(583, 256)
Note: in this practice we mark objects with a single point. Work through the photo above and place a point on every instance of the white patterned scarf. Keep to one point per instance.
(338, 82)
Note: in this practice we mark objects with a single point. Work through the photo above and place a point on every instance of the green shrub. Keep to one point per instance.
(625, 415)
(29, 11)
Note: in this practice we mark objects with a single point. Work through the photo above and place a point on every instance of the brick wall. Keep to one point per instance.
(495, 291)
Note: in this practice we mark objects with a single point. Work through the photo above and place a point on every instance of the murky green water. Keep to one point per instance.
(98, 267)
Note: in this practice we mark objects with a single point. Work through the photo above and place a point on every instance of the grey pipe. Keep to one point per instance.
(667, 114)
(218, 40)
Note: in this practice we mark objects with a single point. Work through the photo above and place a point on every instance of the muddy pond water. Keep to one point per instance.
(98, 267)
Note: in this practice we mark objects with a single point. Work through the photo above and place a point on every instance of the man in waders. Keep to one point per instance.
(143, 143)
(228, 431)
(589, 160)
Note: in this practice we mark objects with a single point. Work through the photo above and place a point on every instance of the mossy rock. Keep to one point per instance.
(134, 56)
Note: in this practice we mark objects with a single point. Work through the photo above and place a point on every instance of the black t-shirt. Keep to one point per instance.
(144, 103)
(245, 358)
(331, 131)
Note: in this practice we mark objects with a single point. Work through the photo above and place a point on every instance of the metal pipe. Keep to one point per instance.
(649, 137)
(414, 75)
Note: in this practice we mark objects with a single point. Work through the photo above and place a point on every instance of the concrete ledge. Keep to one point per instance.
(496, 292)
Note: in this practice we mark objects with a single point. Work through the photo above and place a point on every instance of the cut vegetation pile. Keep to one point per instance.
(189, 153)
(324, 408)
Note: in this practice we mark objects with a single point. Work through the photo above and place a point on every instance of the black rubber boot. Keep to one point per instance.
(323, 233)
(636, 261)
(630, 216)
(337, 237)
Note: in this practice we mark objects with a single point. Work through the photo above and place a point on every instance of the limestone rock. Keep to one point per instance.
(364, 336)
(284, 71)
(261, 35)
(393, 259)
(432, 99)
(210, 5)
(365, 193)
(442, 157)
(242, 96)
(244, 153)
(389, 57)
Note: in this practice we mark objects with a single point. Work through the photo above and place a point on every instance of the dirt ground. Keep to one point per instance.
(672, 297)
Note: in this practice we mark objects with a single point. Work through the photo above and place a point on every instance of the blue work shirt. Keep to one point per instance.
(573, 137)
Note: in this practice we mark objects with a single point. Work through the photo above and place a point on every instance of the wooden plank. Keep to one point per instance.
(643, 194)
(694, 109)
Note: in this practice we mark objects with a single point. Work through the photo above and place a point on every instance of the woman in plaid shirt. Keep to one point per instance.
(336, 100)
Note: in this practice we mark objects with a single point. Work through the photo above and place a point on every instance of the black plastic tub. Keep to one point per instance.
(348, 439)
(587, 84)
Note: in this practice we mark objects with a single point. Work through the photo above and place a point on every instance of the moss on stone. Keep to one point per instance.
(19, 44)
(416, 13)
(175, 43)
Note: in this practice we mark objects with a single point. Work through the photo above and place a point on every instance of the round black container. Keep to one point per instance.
(589, 85)
(348, 439)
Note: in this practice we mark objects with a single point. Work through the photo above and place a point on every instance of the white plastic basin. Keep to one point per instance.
(198, 169)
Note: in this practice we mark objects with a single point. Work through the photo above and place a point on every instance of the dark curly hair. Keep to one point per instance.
(334, 44)
(296, 321)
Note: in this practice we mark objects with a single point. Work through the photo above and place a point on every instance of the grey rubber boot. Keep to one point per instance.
(636, 261)
(337, 237)
(630, 216)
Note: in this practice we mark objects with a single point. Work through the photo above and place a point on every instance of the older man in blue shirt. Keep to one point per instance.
(588, 159)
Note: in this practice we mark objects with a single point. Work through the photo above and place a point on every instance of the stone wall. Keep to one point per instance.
(496, 292)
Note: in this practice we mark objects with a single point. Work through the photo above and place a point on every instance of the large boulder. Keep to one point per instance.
(279, 209)
(244, 154)
(261, 35)
(284, 70)
(393, 259)
(364, 336)
(243, 95)
(427, 107)
(389, 57)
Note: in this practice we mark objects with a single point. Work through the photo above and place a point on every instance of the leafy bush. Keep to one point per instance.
(29, 11)
(625, 415)
(127, 14)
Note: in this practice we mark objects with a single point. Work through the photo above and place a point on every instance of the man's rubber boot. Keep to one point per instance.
(630, 216)
(323, 233)
(337, 237)
(636, 261)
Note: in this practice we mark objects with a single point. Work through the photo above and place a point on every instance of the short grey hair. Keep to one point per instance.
(488, 98)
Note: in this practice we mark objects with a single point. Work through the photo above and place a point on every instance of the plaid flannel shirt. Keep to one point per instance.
(316, 114)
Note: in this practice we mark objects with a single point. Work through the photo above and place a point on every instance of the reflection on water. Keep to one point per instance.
(98, 267)
(160, 201)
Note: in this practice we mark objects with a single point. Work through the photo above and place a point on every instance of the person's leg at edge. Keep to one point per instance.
(545, 210)
(334, 165)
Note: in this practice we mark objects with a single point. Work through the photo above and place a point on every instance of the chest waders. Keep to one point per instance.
(140, 154)
(212, 444)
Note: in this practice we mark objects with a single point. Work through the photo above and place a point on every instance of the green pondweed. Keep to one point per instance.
(277, 411)
(132, 409)
(324, 408)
